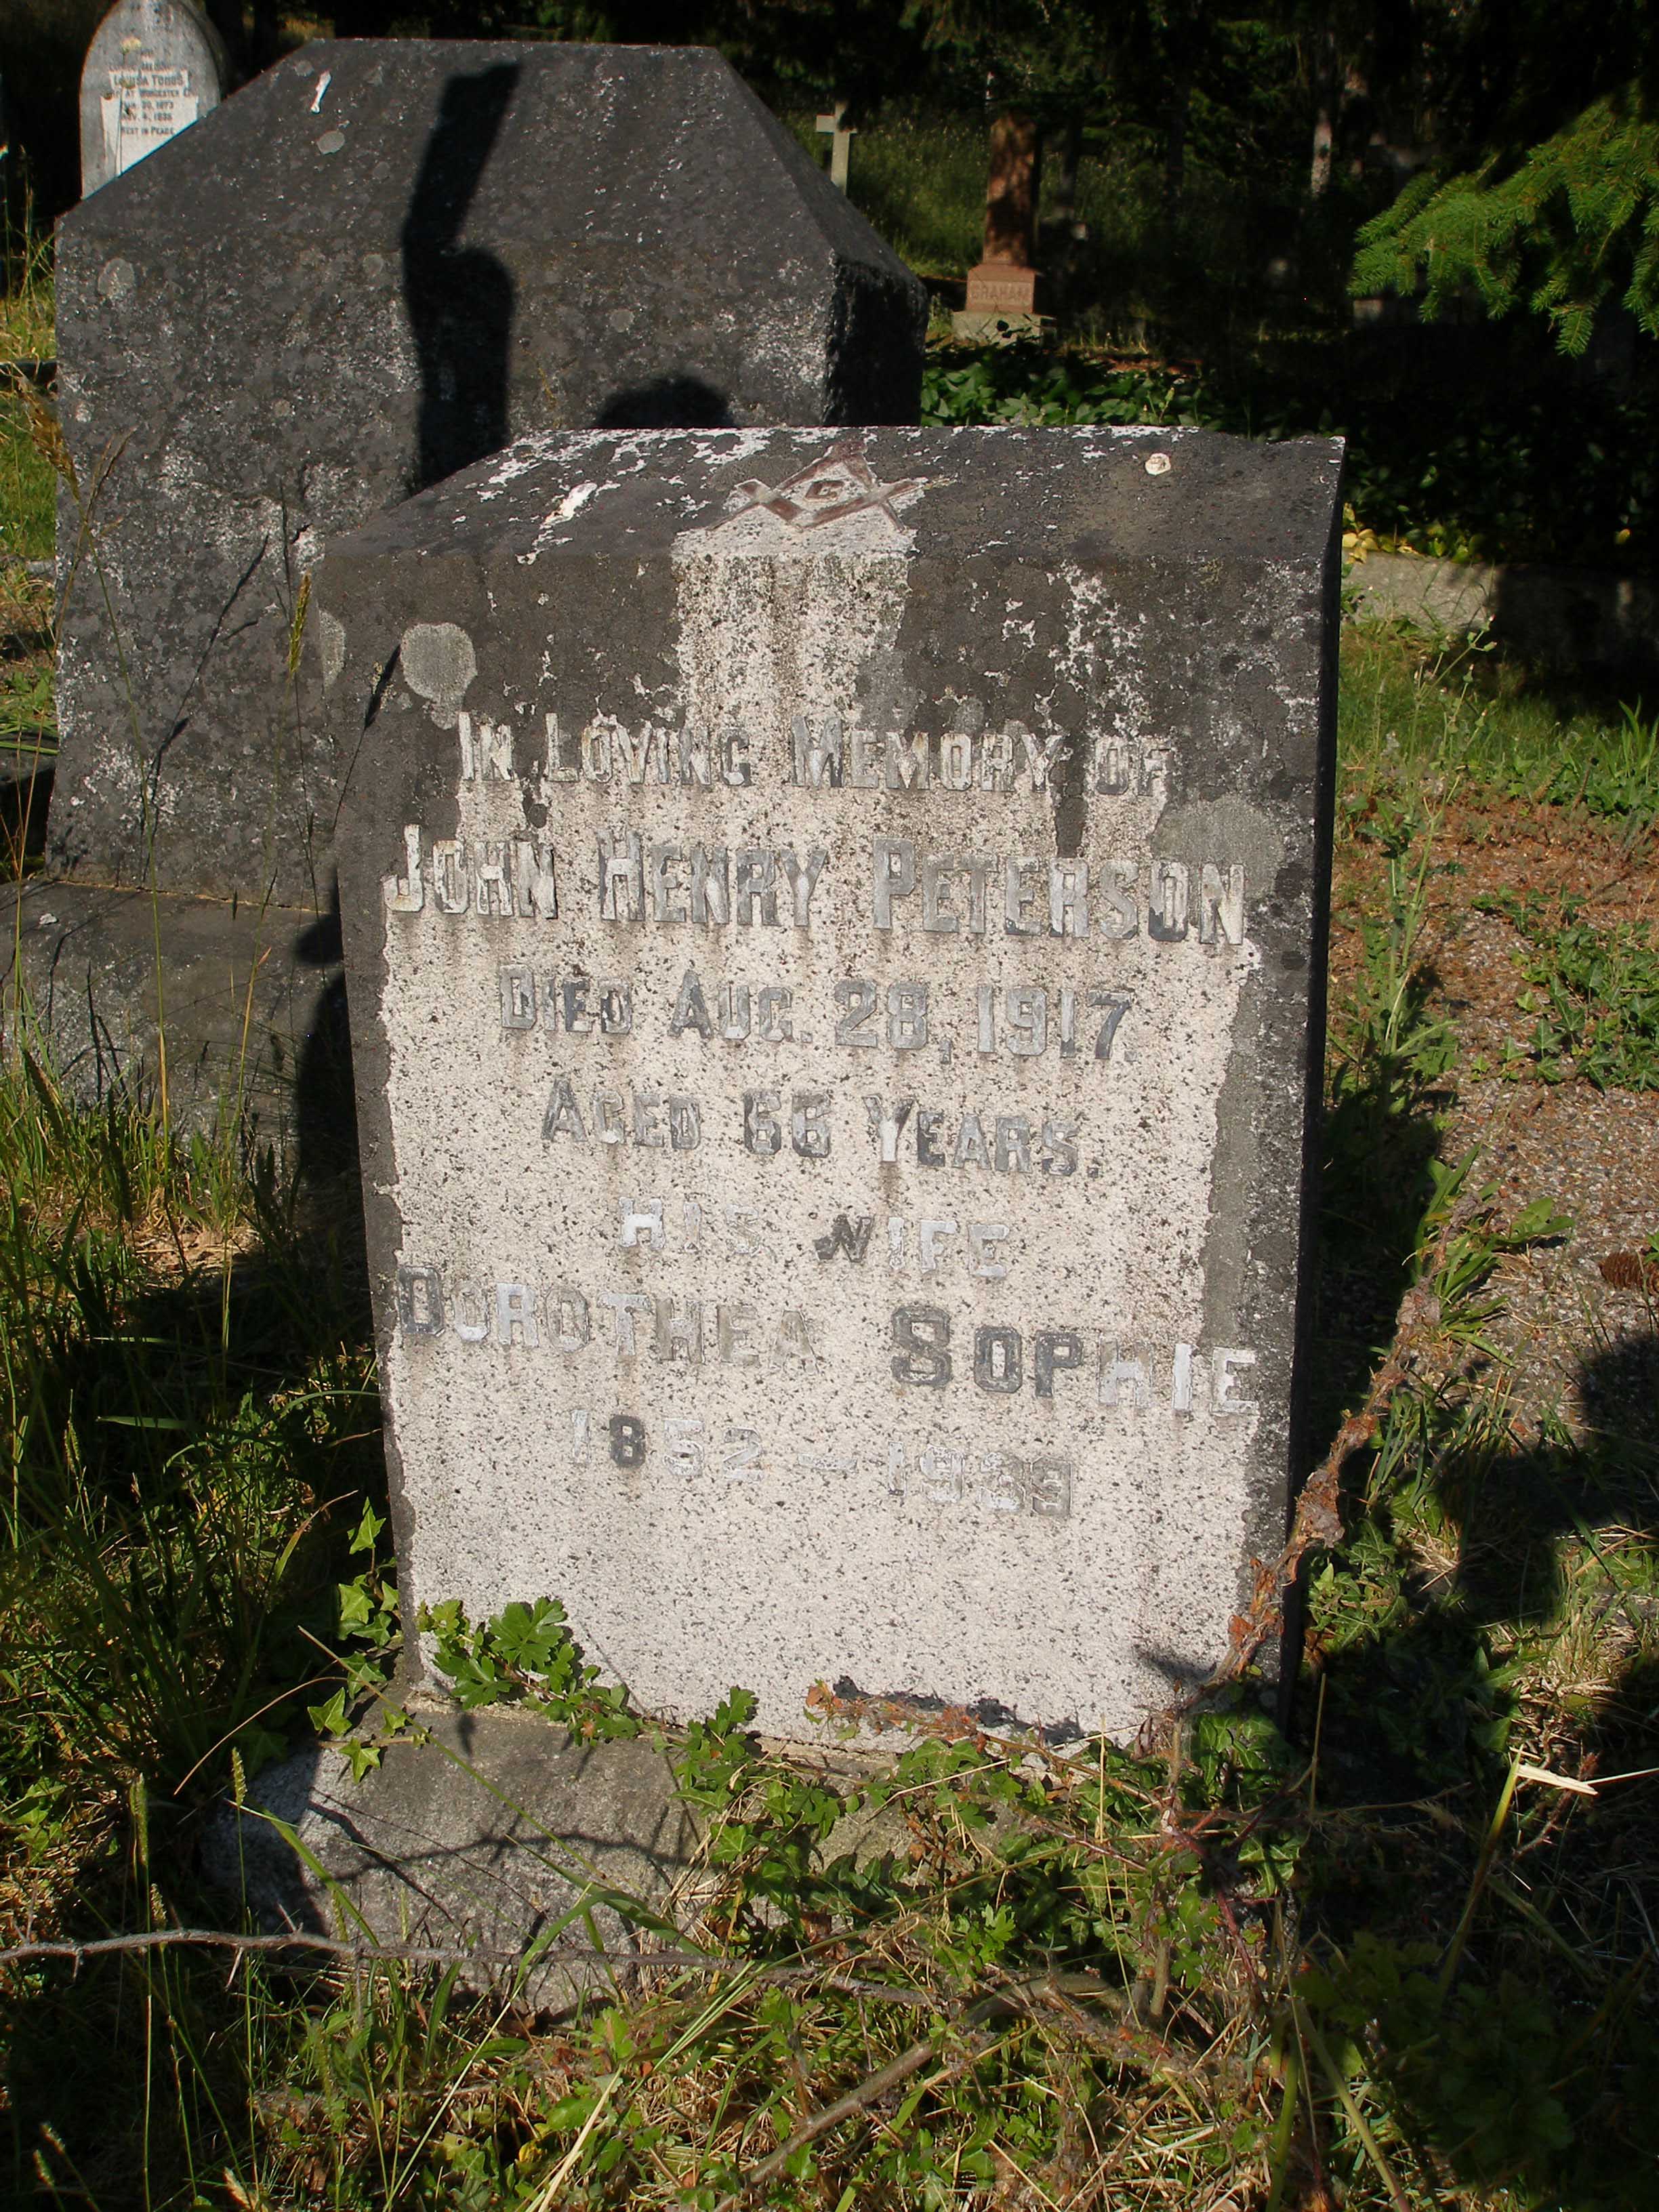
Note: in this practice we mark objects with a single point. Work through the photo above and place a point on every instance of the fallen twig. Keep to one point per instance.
(695, 1962)
(292, 1939)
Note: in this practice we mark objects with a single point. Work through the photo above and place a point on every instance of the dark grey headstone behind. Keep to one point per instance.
(368, 270)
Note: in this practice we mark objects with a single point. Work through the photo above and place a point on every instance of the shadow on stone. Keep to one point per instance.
(484, 1838)
(325, 1104)
(459, 299)
(25, 796)
(667, 402)
(1593, 623)
(254, 1008)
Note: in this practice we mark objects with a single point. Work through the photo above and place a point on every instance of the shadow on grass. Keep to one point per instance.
(1382, 1139)
(198, 1442)
(1503, 1984)
(1490, 1594)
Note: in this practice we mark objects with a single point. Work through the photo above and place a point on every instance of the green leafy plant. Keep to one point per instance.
(367, 1641)
(527, 1655)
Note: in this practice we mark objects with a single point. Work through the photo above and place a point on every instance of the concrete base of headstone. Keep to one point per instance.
(1431, 595)
(478, 1840)
(1587, 619)
(977, 327)
(253, 1004)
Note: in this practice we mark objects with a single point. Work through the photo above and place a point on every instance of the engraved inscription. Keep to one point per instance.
(146, 104)
(818, 1149)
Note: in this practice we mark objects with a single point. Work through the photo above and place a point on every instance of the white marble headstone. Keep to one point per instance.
(153, 69)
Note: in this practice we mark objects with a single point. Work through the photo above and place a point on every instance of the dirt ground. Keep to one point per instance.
(1583, 1349)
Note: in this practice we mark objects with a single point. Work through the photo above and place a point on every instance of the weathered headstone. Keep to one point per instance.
(834, 937)
(153, 68)
(365, 271)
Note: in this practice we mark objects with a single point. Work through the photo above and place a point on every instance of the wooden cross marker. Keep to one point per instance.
(840, 137)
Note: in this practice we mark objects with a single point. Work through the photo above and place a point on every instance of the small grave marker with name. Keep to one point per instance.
(1002, 285)
(835, 937)
(153, 68)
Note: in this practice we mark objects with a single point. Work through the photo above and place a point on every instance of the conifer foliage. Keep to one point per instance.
(1541, 118)
(1570, 229)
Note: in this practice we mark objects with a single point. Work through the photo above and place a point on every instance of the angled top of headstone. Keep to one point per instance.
(835, 934)
(576, 150)
(358, 276)
(153, 69)
(1093, 498)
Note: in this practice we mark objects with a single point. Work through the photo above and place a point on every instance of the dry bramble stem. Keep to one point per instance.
(1317, 1522)
(176, 1938)
(695, 1962)
(294, 1938)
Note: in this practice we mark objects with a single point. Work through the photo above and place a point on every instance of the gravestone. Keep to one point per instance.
(1001, 289)
(841, 134)
(835, 934)
(367, 269)
(153, 69)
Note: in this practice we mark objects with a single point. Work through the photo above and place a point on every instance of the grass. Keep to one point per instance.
(27, 522)
(25, 298)
(1422, 721)
(1595, 992)
(27, 484)
(186, 1397)
(921, 183)
(28, 492)
(1417, 710)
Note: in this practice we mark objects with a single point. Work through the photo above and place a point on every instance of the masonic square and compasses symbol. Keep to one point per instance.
(839, 484)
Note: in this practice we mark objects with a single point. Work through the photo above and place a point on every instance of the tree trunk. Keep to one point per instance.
(1325, 79)
(1357, 113)
(1010, 193)
(226, 17)
(1174, 140)
(1068, 155)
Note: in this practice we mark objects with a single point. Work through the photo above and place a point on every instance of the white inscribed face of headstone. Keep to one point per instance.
(153, 68)
(834, 976)
(147, 105)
